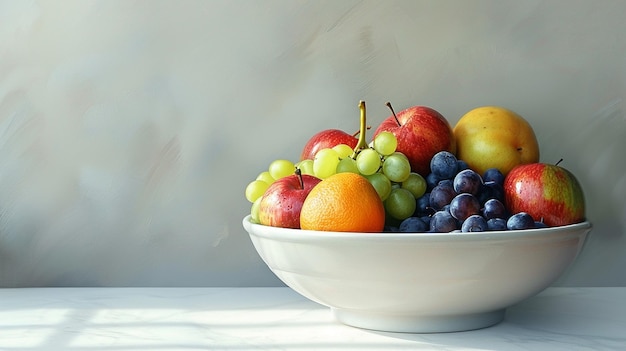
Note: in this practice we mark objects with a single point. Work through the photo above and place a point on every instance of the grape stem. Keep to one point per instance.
(388, 104)
(359, 131)
(362, 143)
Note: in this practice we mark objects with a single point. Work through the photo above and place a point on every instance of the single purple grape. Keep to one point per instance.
(468, 181)
(463, 206)
(496, 224)
(444, 165)
(474, 223)
(520, 221)
(423, 205)
(431, 181)
(441, 195)
(493, 175)
(413, 225)
(443, 222)
(494, 208)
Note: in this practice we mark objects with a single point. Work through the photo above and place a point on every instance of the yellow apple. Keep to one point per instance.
(495, 137)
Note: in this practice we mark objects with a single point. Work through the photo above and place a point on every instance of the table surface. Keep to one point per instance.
(280, 319)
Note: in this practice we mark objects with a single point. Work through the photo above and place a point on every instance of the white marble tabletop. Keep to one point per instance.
(280, 319)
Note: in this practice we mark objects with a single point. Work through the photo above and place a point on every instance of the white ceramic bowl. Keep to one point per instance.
(418, 282)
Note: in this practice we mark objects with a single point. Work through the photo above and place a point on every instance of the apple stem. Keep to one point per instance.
(299, 174)
(362, 143)
(388, 104)
(559, 161)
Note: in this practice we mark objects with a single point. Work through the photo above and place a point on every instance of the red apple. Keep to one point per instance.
(326, 139)
(421, 132)
(282, 201)
(547, 192)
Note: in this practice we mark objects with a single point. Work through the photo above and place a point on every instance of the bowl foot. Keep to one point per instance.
(417, 324)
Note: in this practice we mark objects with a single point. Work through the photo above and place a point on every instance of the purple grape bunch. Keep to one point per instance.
(458, 199)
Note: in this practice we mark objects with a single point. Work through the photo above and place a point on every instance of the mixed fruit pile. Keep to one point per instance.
(418, 174)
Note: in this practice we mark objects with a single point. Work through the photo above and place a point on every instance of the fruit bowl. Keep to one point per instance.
(418, 282)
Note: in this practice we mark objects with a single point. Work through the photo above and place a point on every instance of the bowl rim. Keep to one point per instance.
(308, 235)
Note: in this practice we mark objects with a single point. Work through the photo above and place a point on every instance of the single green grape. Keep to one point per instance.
(399, 154)
(396, 168)
(325, 163)
(347, 164)
(255, 189)
(385, 143)
(368, 161)
(381, 183)
(254, 210)
(343, 150)
(281, 168)
(266, 177)
(416, 184)
(400, 204)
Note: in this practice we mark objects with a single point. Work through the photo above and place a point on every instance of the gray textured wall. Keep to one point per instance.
(129, 129)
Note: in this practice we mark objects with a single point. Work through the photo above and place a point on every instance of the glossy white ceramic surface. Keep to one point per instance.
(422, 282)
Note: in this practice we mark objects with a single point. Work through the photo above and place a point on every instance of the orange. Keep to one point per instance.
(495, 137)
(343, 202)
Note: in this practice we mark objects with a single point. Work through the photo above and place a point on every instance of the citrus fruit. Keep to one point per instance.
(343, 202)
(495, 137)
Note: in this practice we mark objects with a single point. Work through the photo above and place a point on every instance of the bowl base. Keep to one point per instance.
(417, 324)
